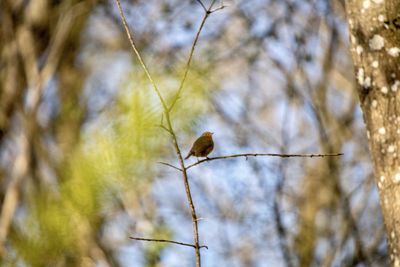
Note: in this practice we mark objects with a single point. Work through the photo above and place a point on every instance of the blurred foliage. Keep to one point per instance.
(114, 164)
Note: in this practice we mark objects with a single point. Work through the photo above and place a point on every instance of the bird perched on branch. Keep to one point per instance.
(202, 146)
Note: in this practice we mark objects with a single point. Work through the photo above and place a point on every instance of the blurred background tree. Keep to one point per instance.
(79, 136)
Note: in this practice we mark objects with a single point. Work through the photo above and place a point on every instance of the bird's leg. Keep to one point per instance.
(197, 159)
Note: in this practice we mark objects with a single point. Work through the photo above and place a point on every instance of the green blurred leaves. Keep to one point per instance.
(111, 171)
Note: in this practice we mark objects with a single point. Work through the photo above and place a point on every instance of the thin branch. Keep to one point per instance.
(255, 155)
(211, 6)
(222, 6)
(218, 8)
(167, 241)
(188, 192)
(266, 155)
(180, 88)
(170, 165)
(19, 171)
(207, 12)
(169, 124)
(146, 70)
(202, 5)
(164, 128)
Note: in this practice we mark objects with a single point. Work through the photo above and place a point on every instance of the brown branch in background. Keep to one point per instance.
(278, 210)
(24, 38)
(167, 241)
(266, 155)
(12, 194)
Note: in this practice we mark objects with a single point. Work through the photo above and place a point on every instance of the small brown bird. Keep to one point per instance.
(202, 146)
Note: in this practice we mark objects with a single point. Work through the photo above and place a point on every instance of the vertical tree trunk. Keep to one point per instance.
(374, 27)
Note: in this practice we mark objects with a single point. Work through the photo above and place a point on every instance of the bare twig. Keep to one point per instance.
(218, 8)
(211, 6)
(178, 93)
(188, 193)
(146, 70)
(170, 165)
(169, 126)
(167, 241)
(265, 155)
(164, 128)
(202, 5)
(255, 155)
(207, 12)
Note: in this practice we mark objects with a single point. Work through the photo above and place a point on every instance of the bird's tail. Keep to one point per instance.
(188, 155)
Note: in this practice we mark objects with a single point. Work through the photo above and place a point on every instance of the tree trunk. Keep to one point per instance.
(374, 27)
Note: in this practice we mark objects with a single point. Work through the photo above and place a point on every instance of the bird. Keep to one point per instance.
(202, 146)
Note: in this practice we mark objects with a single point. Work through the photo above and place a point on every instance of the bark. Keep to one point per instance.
(374, 27)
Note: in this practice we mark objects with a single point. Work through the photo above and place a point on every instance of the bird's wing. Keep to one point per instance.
(206, 147)
(209, 148)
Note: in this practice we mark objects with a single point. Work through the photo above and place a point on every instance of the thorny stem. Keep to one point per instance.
(169, 127)
(265, 155)
(255, 155)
